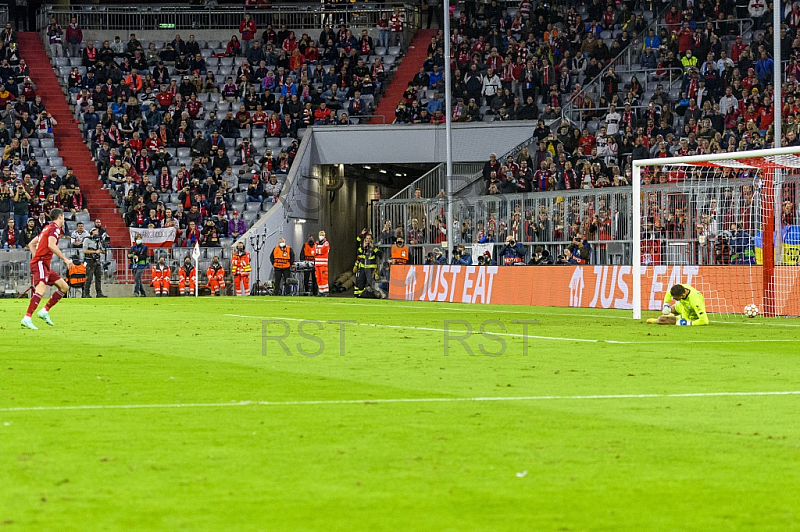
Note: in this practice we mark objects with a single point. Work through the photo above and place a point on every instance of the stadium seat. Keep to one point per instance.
(252, 206)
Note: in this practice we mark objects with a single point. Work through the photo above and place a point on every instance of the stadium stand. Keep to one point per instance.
(620, 80)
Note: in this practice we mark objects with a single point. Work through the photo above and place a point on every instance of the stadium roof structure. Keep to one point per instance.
(783, 158)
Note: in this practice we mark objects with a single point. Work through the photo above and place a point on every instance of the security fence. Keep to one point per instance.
(689, 222)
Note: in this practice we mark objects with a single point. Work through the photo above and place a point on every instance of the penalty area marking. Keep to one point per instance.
(397, 400)
(517, 335)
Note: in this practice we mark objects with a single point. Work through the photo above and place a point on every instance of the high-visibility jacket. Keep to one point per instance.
(160, 274)
(308, 252)
(216, 274)
(400, 254)
(76, 274)
(281, 258)
(240, 264)
(321, 250)
(368, 258)
(188, 276)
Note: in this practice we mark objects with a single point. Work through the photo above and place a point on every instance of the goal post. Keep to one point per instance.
(754, 193)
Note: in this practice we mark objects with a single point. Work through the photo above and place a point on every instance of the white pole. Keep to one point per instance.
(448, 123)
(777, 70)
(637, 242)
(777, 78)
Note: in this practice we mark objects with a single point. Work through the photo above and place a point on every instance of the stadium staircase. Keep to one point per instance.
(69, 140)
(415, 55)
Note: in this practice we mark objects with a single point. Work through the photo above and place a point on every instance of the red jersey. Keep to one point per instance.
(43, 252)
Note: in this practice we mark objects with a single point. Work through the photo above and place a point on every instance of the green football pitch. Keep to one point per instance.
(189, 414)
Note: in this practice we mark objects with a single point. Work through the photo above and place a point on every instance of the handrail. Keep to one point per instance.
(430, 183)
(305, 16)
(459, 187)
(745, 24)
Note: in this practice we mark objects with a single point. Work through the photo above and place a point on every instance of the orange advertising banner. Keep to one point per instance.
(726, 288)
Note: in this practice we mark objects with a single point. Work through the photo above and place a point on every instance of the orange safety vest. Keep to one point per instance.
(281, 257)
(308, 252)
(240, 264)
(400, 254)
(216, 274)
(159, 274)
(76, 274)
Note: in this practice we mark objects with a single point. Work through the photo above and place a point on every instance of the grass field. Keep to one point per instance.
(173, 414)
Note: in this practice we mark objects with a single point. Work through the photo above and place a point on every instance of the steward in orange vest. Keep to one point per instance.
(399, 253)
(309, 277)
(282, 259)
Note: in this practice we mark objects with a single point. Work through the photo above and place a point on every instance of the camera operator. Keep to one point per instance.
(93, 250)
(579, 250)
(461, 257)
(512, 253)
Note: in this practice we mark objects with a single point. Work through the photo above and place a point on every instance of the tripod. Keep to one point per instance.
(257, 243)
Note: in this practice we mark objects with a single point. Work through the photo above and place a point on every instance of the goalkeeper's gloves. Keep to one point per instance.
(682, 322)
(667, 310)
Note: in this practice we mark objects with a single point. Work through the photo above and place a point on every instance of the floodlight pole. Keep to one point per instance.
(448, 123)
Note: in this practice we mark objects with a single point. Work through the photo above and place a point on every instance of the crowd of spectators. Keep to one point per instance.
(185, 135)
(517, 64)
(26, 135)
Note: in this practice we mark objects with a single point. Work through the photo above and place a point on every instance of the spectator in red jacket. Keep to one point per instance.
(247, 28)
(74, 38)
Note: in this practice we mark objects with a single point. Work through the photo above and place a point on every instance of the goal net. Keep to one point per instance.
(724, 223)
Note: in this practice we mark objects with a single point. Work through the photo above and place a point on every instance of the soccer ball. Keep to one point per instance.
(751, 311)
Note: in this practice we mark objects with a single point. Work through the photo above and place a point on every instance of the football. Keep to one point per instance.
(751, 311)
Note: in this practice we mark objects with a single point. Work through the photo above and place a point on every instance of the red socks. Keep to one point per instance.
(33, 304)
(55, 298)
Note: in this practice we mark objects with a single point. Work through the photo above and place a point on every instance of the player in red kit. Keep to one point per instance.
(43, 247)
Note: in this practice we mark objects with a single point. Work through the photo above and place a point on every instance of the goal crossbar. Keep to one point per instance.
(768, 160)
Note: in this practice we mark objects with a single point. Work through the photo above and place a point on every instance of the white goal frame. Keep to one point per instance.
(777, 160)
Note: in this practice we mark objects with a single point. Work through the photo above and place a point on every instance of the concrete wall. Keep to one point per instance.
(420, 144)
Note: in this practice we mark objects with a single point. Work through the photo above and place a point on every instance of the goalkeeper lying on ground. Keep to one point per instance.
(689, 307)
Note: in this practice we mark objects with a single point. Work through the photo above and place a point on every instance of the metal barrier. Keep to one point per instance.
(728, 28)
(433, 182)
(117, 264)
(182, 17)
(582, 114)
(552, 219)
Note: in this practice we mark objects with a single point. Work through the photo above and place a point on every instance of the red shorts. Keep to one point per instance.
(42, 273)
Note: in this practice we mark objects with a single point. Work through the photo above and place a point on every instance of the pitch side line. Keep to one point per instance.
(517, 335)
(398, 400)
